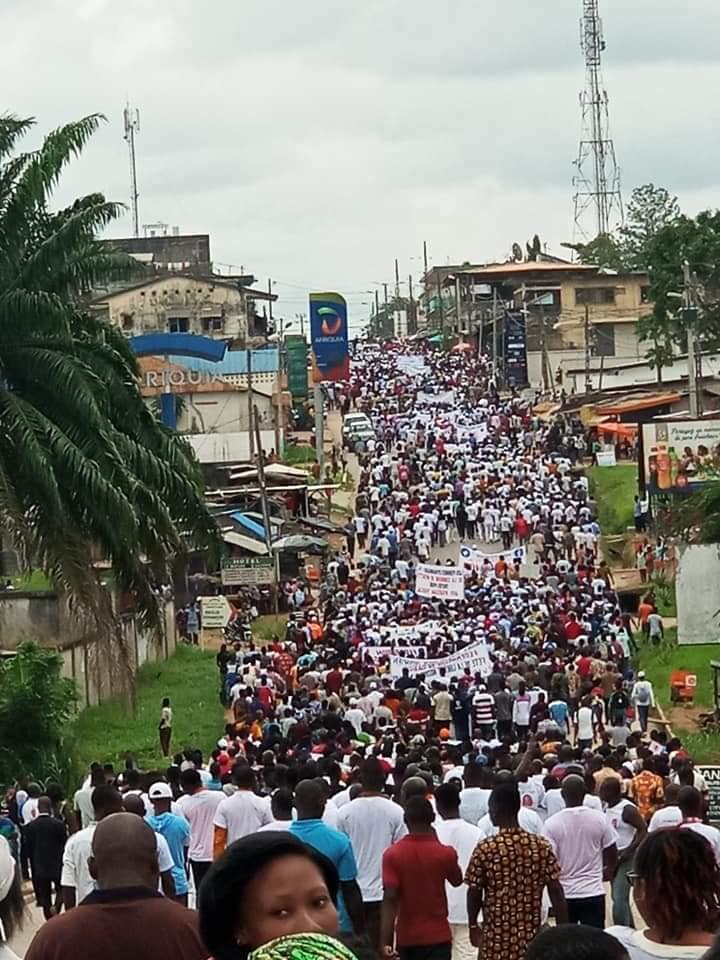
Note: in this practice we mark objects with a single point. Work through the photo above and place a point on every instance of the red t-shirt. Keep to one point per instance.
(583, 665)
(573, 629)
(417, 867)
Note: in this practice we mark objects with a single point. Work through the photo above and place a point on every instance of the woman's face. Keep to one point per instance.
(287, 896)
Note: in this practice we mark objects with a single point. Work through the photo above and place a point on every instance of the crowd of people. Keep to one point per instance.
(410, 770)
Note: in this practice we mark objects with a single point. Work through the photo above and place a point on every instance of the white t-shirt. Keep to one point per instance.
(463, 838)
(578, 837)
(241, 814)
(640, 948)
(83, 804)
(528, 820)
(554, 802)
(624, 830)
(29, 811)
(711, 834)
(474, 804)
(75, 871)
(199, 810)
(665, 817)
(373, 824)
(165, 860)
(585, 723)
(275, 825)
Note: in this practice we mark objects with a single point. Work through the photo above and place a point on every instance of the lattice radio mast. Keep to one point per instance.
(598, 200)
(131, 120)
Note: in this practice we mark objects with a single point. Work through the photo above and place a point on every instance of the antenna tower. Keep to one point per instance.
(598, 199)
(131, 118)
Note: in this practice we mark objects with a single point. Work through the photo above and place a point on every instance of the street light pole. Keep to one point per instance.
(690, 314)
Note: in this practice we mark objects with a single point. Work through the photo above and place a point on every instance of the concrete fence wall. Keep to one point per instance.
(89, 660)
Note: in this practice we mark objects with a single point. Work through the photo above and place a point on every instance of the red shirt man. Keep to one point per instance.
(415, 909)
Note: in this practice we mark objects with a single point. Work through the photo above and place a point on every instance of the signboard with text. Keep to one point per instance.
(297, 366)
(712, 779)
(215, 612)
(329, 337)
(443, 583)
(246, 571)
(679, 455)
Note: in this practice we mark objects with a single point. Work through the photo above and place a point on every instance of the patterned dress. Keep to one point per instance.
(511, 869)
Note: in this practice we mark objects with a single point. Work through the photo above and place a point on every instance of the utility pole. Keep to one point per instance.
(440, 305)
(319, 428)
(397, 279)
(690, 313)
(494, 337)
(425, 262)
(411, 307)
(264, 498)
(251, 431)
(270, 298)
(588, 382)
(385, 309)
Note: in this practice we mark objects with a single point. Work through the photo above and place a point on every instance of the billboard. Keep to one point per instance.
(679, 455)
(297, 369)
(512, 347)
(329, 337)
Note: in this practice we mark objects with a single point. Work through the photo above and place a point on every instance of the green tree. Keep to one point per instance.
(649, 210)
(36, 703)
(86, 471)
(605, 251)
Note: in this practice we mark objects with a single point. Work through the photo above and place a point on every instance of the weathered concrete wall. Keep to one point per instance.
(697, 586)
(89, 660)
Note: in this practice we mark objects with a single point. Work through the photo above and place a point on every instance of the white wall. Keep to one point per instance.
(228, 447)
(697, 585)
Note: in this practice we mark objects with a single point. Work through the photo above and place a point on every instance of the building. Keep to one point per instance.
(571, 311)
(181, 303)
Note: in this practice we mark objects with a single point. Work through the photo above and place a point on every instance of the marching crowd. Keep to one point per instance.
(414, 769)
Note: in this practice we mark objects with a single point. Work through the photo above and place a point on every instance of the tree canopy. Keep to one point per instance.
(86, 471)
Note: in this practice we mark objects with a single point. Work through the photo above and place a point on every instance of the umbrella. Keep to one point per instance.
(299, 542)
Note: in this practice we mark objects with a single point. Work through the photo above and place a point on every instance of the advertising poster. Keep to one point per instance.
(443, 583)
(680, 455)
(329, 337)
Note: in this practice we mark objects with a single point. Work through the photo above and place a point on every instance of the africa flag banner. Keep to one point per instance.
(329, 337)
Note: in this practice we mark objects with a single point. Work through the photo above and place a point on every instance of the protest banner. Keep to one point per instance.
(475, 657)
(376, 654)
(445, 397)
(443, 583)
(472, 559)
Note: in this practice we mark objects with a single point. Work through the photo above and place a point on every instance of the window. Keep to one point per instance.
(213, 324)
(178, 325)
(594, 295)
(645, 294)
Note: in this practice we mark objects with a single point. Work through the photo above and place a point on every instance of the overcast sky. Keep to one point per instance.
(317, 140)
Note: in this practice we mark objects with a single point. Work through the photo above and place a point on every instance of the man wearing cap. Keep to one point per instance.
(643, 697)
(176, 832)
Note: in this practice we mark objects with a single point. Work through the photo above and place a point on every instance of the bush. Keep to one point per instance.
(36, 703)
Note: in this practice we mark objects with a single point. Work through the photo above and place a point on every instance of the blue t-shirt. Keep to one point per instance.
(337, 848)
(558, 711)
(176, 831)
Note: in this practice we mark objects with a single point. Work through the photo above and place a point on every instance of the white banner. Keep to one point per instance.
(376, 654)
(436, 399)
(443, 583)
(476, 657)
(472, 559)
(412, 364)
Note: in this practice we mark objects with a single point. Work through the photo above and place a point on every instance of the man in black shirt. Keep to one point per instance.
(45, 837)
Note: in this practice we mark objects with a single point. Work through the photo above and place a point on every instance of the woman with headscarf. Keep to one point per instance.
(266, 886)
(12, 905)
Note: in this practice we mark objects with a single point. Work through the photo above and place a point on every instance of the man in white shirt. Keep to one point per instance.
(475, 795)
(586, 847)
(242, 813)
(82, 801)
(75, 879)
(691, 805)
(355, 715)
(670, 814)
(199, 807)
(373, 823)
(463, 837)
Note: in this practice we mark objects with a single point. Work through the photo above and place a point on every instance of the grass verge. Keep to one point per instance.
(190, 678)
(614, 489)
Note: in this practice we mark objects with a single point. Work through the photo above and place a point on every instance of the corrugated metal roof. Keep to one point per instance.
(235, 362)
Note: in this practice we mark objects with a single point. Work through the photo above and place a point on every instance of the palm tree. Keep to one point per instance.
(86, 470)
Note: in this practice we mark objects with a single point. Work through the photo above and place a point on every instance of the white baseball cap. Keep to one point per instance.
(160, 791)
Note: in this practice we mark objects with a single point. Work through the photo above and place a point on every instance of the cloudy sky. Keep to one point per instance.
(317, 140)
